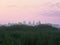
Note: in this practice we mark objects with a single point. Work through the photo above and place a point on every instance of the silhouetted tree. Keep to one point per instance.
(33, 22)
(24, 22)
(29, 22)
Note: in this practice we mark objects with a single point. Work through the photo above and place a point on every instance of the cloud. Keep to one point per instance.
(51, 9)
(54, 13)
(56, 5)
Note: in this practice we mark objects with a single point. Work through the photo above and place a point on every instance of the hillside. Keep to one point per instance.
(29, 35)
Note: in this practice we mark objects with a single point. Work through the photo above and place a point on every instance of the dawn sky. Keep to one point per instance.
(46, 11)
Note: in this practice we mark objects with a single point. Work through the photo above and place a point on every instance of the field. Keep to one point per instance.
(29, 35)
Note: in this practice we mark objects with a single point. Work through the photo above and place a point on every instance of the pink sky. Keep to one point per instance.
(46, 11)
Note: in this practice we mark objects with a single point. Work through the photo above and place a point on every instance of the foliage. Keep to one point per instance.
(29, 35)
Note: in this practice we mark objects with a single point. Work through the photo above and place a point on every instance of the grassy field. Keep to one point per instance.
(29, 35)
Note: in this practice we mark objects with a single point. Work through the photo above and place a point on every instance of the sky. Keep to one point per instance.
(14, 11)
